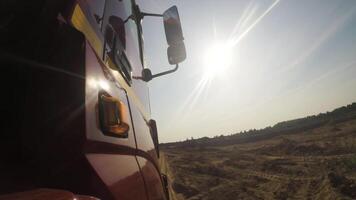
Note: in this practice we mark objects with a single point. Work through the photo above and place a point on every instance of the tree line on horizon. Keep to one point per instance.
(338, 115)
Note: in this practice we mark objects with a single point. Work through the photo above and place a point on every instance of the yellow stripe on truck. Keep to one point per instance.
(81, 23)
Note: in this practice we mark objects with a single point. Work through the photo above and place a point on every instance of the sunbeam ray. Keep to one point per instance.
(244, 19)
(243, 34)
(205, 82)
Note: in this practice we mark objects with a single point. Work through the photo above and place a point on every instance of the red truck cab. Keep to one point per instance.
(75, 111)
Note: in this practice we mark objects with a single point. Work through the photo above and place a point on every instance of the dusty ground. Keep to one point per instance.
(316, 164)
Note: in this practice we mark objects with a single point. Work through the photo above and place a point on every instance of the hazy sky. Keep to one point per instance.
(290, 58)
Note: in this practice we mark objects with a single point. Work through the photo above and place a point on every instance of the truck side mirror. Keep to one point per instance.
(176, 49)
(174, 35)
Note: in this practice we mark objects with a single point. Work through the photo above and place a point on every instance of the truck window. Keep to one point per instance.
(97, 9)
(117, 15)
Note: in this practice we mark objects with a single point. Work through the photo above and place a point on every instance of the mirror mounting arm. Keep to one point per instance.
(166, 72)
(143, 14)
(147, 74)
(140, 15)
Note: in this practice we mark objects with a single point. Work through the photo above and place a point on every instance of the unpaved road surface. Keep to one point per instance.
(315, 164)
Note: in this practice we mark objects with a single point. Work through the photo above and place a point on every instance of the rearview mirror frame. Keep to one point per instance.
(176, 51)
(172, 26)
(174, 35)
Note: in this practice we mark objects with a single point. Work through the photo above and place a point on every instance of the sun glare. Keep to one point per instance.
(218, 59)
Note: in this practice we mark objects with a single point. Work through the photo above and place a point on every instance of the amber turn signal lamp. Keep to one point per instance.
(112, 116)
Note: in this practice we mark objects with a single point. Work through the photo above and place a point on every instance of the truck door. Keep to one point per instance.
(147, 157)
(110, 147)
(118, 18)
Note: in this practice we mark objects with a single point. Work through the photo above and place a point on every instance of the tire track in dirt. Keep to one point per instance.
(275, 177)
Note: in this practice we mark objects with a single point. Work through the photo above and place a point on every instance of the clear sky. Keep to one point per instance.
(281, 60)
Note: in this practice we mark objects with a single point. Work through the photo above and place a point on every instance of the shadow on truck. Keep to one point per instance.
(75, 112)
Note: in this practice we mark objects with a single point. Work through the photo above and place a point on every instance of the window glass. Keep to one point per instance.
(117, 14)
(97, 9)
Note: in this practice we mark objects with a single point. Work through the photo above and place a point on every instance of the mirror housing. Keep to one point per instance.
(172, 26)
(176, 53)
(174, 35)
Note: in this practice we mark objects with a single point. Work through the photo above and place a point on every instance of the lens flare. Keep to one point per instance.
(95, 84)
(218, 59)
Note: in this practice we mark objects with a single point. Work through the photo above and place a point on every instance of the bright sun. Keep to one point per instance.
(218, 59)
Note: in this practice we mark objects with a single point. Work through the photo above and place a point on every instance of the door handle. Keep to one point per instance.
(165, 185)
(154, 134)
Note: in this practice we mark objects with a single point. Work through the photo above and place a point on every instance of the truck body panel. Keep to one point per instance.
(51, 128)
